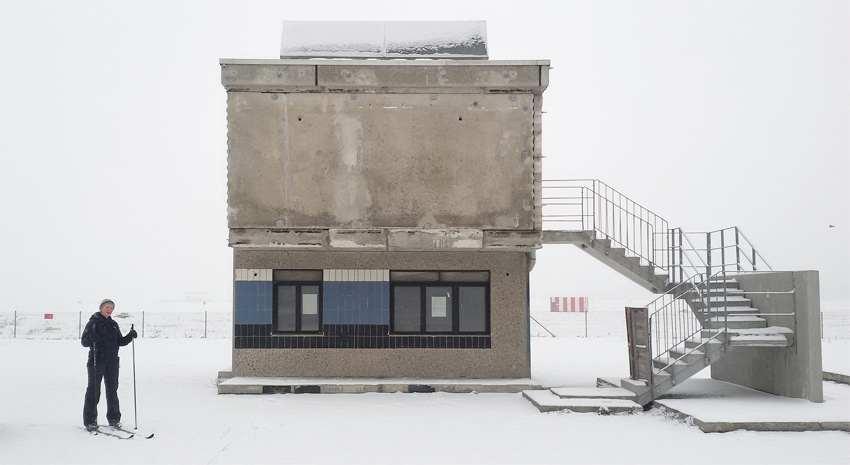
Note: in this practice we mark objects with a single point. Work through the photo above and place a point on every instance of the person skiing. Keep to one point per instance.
(103, 338)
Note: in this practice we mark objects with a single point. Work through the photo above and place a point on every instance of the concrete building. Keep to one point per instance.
(384, 216)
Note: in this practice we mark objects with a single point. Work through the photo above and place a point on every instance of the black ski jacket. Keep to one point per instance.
(103, 337)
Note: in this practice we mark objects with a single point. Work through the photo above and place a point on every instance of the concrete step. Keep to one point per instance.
(689, 356)
(720, 301)
(547, 401)
(694, 296)
(704, 314)
(607, 382)
(614, 257)
(737, 309)
(593, 393)
(730, 283)
(636, 386)
(711, 335)
(705, 345)
(772, 336)
(669, 364)
(736, 322)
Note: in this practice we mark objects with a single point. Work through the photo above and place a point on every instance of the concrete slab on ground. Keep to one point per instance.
(594, 393)
(717, 406)
(837, 377)
(585, 401)
(274, 385)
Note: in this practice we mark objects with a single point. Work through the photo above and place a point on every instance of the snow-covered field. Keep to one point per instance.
(43, 382)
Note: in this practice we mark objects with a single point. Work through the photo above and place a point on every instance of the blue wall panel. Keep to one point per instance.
(356, 303)
(253, 302)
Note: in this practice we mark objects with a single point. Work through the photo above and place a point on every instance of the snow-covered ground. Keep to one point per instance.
(43, 382)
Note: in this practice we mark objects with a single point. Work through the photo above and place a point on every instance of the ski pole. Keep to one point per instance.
(135, 408)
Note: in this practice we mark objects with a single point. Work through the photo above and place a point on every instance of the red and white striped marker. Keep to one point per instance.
(569, 304)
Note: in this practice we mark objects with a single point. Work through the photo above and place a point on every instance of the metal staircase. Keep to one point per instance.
(704, 312)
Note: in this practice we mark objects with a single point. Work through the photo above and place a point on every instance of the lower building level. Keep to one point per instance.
(381, 314)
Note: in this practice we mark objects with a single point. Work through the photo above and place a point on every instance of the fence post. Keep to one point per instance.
(15, 326)
(585, 323)
(205, 324)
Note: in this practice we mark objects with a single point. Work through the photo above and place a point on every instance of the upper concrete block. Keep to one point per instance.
(361, 161)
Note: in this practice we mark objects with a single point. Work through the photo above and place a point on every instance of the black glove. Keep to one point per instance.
(94, 336)
(133, 334)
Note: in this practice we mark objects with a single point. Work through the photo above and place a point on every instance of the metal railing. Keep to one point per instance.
(673, 321)
(692, 254)
(699, 304)
(691, 260)
(591, 205)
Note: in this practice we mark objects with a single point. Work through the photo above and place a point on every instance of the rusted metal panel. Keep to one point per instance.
(640, 352)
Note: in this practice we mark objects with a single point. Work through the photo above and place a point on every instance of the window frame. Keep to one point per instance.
(455, 308)
(299, 309)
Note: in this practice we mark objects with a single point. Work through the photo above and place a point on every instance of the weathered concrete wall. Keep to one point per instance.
(793, 371)
(508, 356)
(343, 144)
(380, 160)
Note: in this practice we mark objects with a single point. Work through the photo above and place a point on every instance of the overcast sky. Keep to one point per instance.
(711, 114)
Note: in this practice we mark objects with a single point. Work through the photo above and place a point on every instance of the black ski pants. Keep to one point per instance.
(108, 373)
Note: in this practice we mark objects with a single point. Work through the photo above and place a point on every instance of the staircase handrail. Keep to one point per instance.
(612, 215)
(677, 319)
(755, 253)
(684, 254)
(706, 265)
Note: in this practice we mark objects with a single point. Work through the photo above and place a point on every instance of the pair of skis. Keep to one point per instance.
(118, 433)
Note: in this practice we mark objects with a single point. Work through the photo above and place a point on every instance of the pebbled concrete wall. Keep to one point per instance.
(793, 371)
(508, 356)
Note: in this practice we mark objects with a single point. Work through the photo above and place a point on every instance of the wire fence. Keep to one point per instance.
(599, 324)
(612, 324)
(219, 324)
(70, 325)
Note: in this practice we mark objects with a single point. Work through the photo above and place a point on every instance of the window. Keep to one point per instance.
(440, 302)
(297, 301)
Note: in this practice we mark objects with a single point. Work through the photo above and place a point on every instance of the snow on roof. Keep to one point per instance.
(384, 39)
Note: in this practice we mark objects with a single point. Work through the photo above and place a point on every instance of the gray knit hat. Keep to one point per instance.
(106, 301)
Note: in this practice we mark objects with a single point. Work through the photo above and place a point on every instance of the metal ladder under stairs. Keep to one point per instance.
(704, 312)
